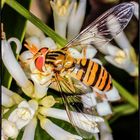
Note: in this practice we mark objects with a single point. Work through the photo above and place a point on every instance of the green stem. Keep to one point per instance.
(126, 95)
(122, 110)
(127, 108)
(28, 15)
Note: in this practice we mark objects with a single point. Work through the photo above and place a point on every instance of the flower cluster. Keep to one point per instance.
(40, 106)
(20, 113)
(68, 16)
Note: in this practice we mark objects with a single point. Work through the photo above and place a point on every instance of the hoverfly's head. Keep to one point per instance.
(38, 55)
(40, 59)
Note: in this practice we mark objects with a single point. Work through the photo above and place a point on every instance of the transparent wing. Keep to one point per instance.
(84, 120)
(98, 34)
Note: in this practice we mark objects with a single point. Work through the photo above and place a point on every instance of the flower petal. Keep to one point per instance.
(16, 99)
(22, 115)
(89, 52)
(17, 42)
(103, 108)
(14, 68)
(122, 63)
(75, 53)
(41, 84)
(60, 134)
(61, 13)
(113, 95)
(29, 131)
(105, 132)
(76, 19)
(9, 129)
(25, 56)
(82, 121)
(89, 100)
(136, 9)
(47, 101)
(49, 43)
(7, 101)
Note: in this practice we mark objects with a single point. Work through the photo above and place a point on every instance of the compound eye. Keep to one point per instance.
(39, 63)
(43, 51)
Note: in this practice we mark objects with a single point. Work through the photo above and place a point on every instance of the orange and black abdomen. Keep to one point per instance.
(93, 74)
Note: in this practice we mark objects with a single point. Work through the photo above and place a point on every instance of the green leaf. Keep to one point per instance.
(126, 95)
(41, 134)
(14, 26)
(20, 135)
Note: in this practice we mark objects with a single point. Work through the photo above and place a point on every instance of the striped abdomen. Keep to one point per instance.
(93, 74)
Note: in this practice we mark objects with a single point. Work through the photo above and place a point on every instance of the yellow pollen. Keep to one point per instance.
(62, 11)
(119, 60)
(24, 113)
(62, 8)
(58, 3)
(66, 3)
(121, 54)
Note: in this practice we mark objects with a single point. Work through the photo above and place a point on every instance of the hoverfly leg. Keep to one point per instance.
(71, 84)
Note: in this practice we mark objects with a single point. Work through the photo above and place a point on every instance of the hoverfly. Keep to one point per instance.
(78, 76)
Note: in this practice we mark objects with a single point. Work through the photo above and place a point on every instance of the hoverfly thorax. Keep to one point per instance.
(61, 60)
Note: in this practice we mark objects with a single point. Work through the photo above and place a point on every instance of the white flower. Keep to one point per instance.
(7, 101)
(89, 52)
(105, 132)
(41, 43)
(10, 98)
(100, 101)
(3, 136)
(61, 13)
(89, 100)
(9, 129)
(29, 131)
(124, 58)
(41, 80)
(85, 122)
(22, 115)
(75, 53)
(13, 66)
(41, 84)
(136, 9)
(76, 18)
(112, 95)
(103, 108)
(56, 132)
